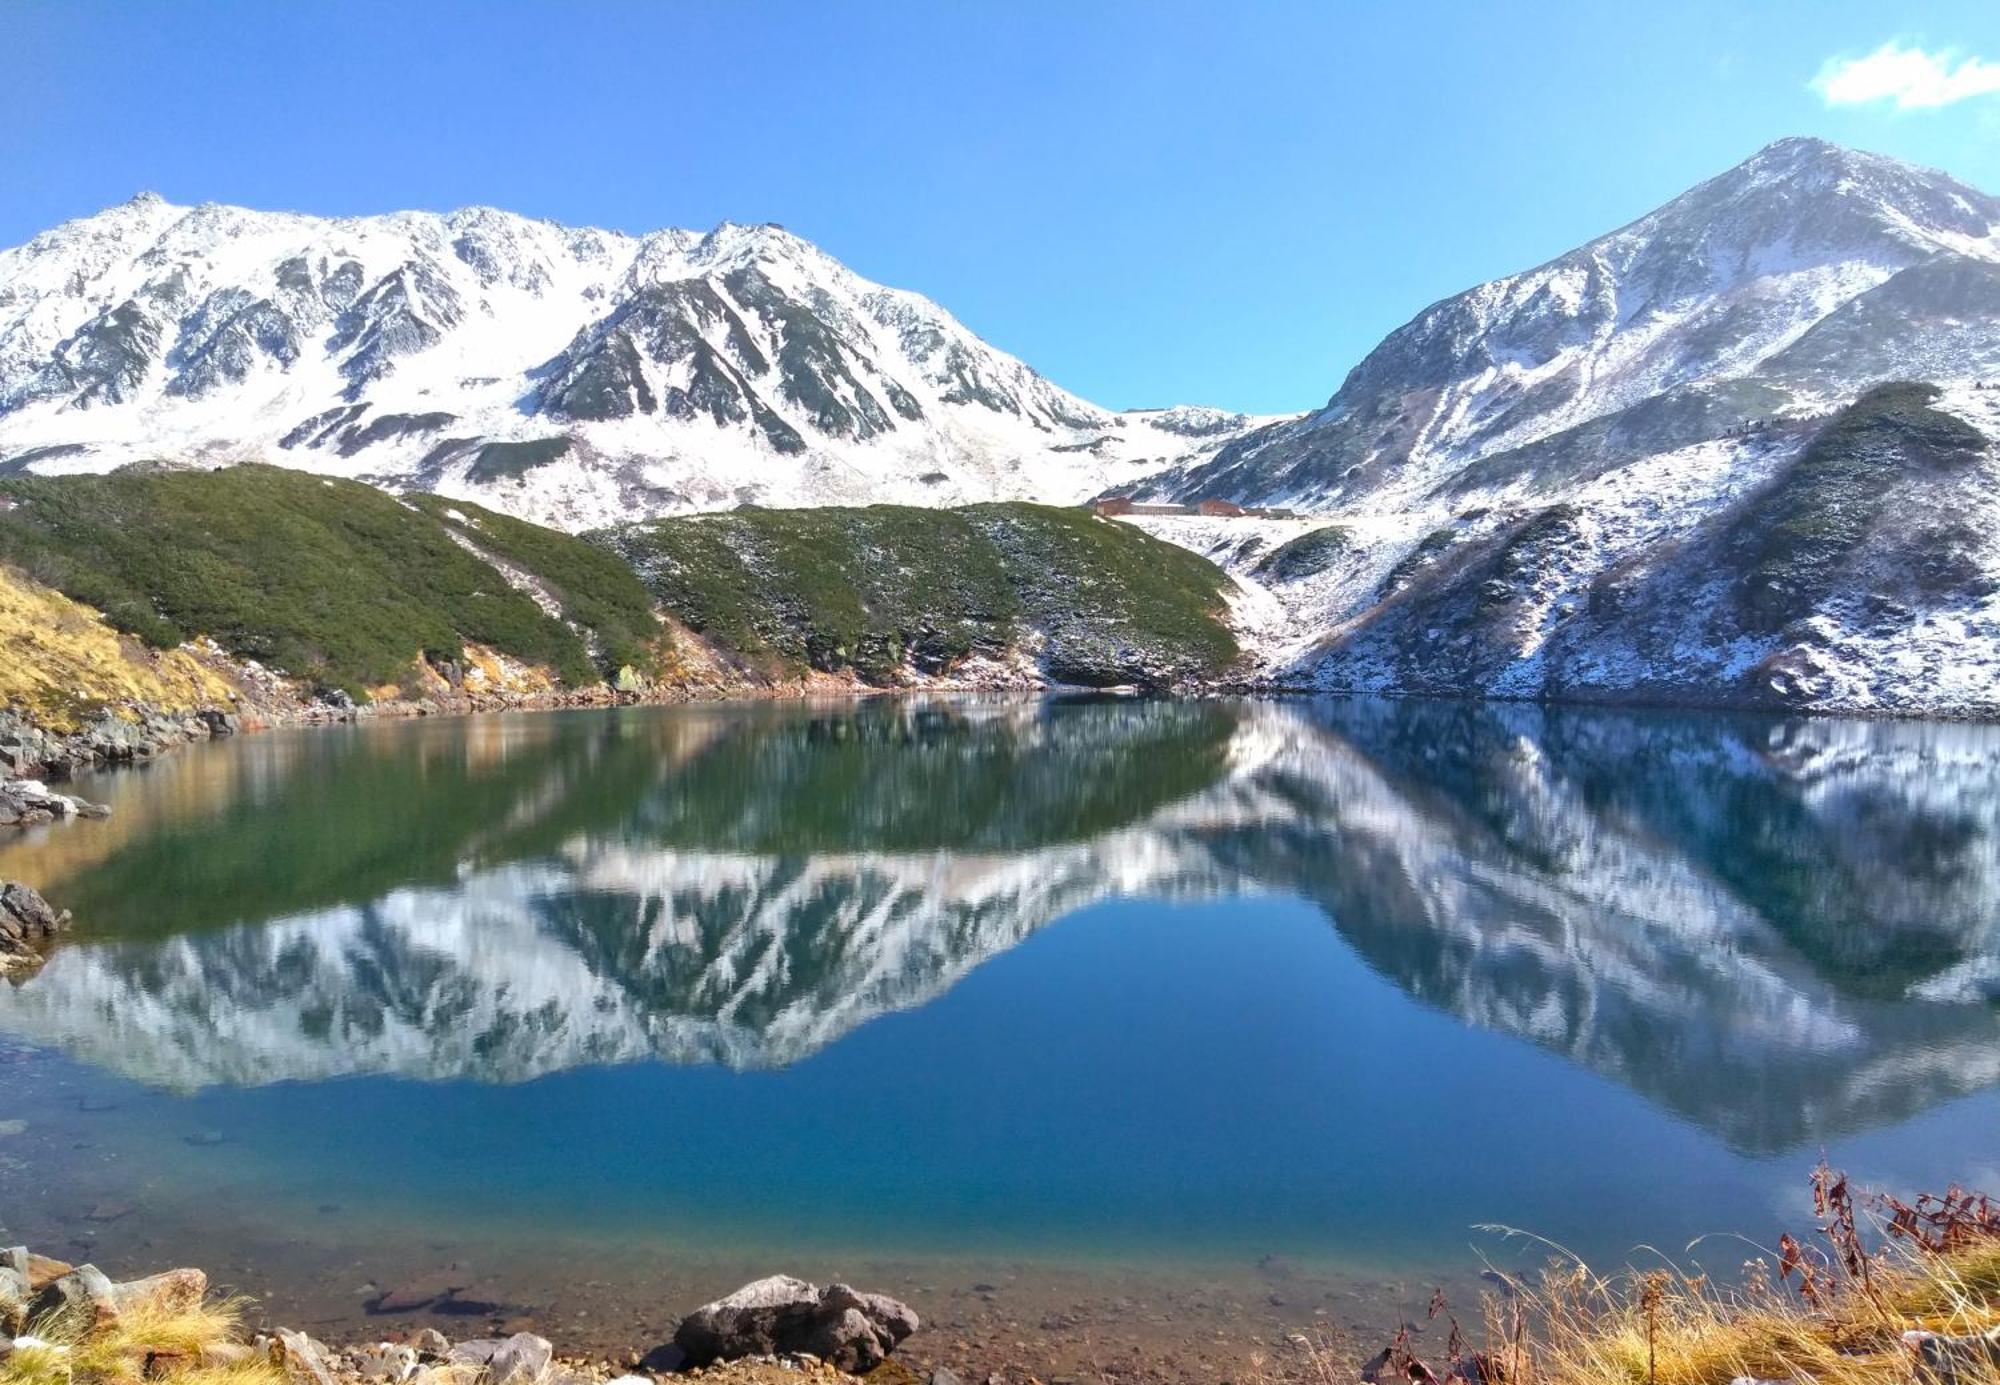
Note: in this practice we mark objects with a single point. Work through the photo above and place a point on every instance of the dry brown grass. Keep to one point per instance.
(1832, 1316)
(65, 662)
(173, 1339)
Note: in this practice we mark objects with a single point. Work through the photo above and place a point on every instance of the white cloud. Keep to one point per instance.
(1910, 79)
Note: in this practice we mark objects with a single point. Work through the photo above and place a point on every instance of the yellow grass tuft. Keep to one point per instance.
(1842, 1323)
(174, 1339)
(1667, 1328)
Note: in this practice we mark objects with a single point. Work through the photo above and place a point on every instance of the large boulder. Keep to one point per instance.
(517, 1360)
(27, 922)
(781, 1315)
(29, 803)
(299, 1358)
(85, 1296)
(25, 914)
(88, 1294)
(172, 1291)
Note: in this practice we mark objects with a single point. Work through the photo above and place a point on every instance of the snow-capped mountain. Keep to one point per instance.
(1662, 467)
(1782, 287)
(1580, 879)
(570, 375)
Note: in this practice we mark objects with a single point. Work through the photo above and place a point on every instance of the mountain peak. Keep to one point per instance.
(1778, 285)
(1795, 150)
(1910, 199)
(566, 373)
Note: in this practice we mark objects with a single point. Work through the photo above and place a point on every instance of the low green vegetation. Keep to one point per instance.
(874, 589)
(1308, 555)
(345, 586)
(327, 580)
(595, 588)
(1799, 533)
(1428, 550)
(830, 589)
(500, 461)
(1115, 604)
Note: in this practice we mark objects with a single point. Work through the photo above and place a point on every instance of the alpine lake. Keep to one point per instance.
(1114, 1035)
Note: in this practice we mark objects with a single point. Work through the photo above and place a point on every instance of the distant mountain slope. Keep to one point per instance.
(1784, 286)
(328, 581)
(889, 589)
(1850, 563)
(341, 586)
(1738, 452)
(569, 375)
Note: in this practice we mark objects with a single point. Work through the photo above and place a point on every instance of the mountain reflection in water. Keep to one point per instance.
(1780, 930)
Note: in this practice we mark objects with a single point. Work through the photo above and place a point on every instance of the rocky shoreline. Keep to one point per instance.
(59, 1321)
(133, 734)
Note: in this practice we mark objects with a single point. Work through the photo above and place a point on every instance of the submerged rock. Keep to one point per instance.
(422, 1291)
(781, 1315)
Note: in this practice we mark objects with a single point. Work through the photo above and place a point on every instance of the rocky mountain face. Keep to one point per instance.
(570, 375)
(1783, 287)
(1576, 482)
(1690, 906)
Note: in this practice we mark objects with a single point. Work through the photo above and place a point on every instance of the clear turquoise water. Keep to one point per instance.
(1336, 981)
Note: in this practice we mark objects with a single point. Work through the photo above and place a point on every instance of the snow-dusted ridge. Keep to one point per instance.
(1734, 301)
(642, 374)
(1518, 464)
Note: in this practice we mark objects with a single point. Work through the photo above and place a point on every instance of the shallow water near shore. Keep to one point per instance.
(1103, 1023)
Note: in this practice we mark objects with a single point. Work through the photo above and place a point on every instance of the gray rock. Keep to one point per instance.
(173, 1290)
(386, 1361)
(944, 1376)
(31, 915)
(26, 922)
(431, 1345)
(516, 1360)
(301, 1358)
(1951, 1360)
(14, 1297)
(781, 1315)
(84, 1294)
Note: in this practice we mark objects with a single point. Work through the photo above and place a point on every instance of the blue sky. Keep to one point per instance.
(1150, 202)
